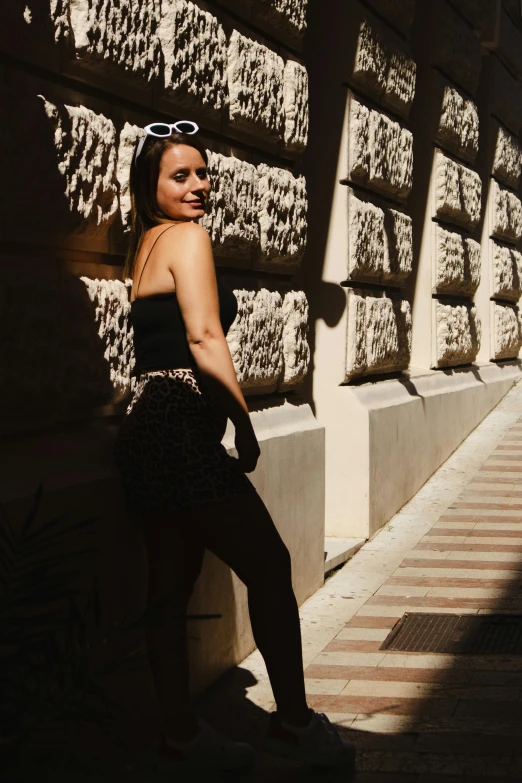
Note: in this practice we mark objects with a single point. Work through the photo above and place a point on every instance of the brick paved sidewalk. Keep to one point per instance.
(414, 718)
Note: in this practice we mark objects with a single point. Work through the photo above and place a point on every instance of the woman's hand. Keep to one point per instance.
(247, 447)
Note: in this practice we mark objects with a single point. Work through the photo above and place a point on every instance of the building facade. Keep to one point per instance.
(369, 143)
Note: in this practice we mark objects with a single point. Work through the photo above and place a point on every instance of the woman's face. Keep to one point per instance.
(183, 185)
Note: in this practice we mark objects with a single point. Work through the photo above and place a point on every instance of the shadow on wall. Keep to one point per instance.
(327, 95)
(54, 366)
(55, 372)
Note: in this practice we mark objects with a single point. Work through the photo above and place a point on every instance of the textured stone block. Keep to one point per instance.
(126, 146)
(85, 144)
(111, 314)
(457, 332)
(255, 339)
(255, 84)
(282, 214)
(506, 278)
(456, 49)
(296, 351)
(459, 124)
(194, 49)
(231, 218)
(398, 12)
(378, 337)
(457, 191)
(384, 67)
(506, 213)
(399, 239)
(296, 105)
(289, 14)
(505, 96)
(380, 151)
(457, 263)
(54, 362)
(60, 15)
(506, 333)
(379, 241)
(121, 33)
(507, 162)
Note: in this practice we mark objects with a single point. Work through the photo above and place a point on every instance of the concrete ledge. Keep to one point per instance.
(385, 439)
(339, 550)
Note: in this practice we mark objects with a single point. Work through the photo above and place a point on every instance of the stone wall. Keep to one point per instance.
(503, 226)
(456, 189)
(379, 174)
(443, 243)
(79, 79)
(166, 59)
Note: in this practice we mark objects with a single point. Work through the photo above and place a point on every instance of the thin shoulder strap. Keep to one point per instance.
(150, 251)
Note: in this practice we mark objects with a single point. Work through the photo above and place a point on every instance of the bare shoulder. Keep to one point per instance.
(188, 240)
(188, 232)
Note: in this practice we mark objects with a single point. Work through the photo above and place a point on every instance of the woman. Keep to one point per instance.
(179, 480)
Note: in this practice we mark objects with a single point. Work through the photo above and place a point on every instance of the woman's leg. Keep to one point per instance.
(174, 563)
(242, 534)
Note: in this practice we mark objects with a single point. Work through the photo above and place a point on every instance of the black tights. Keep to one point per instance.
(242, 534)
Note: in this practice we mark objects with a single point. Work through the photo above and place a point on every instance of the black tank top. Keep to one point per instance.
(160, 338)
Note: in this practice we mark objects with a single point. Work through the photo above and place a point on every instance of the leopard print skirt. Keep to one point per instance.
(169, 447)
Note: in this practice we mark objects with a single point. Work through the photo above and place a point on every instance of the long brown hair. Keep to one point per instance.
(143, 183)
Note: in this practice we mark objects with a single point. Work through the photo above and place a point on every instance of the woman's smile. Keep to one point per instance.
(183, 184)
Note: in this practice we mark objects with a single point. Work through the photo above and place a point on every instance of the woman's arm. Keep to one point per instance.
(192, 266)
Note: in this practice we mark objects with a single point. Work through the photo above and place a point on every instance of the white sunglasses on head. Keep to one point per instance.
(162, 129)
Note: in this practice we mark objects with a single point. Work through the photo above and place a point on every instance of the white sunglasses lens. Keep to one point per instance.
(186, 126)
(159, 129)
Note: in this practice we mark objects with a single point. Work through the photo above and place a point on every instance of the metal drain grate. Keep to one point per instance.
(492, 634)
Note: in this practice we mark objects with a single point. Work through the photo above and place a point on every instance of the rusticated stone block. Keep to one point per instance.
(456, 50)
(457, 332)
(398, 12)
(457, 263)
(378, 337)
(126, 146)
(366, 239)
(506, 213)
(255, 339)
(296, 105)
(60, 16)
(289, 14)
(399, 261)
(55, 366)
(506, 333)
(111, 313)
(380, 152)
(282, 215)
(507, 163)
(296, 351)
(194, 49)
(505, 96)
(457, 192)
(506, 278)
(379, 241)
(459, 124)
(255, 84)
(85, 145)
(384, 66)
(231, 218)
(121, 33)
